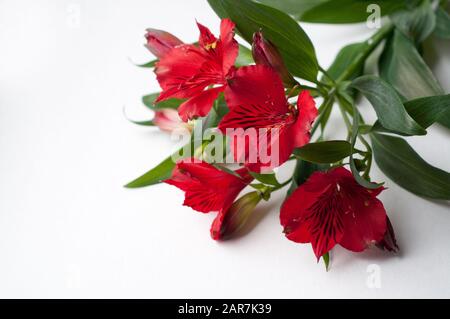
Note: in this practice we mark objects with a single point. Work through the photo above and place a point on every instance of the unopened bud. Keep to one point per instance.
(235, 217)
(265, 53)
(160, 42)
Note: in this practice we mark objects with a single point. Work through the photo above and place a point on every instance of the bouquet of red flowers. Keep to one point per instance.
(244, 112)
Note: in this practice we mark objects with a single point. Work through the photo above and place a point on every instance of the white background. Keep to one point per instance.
(69, 229)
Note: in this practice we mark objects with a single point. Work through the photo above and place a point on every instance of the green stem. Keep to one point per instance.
(326, 75)
(328, 102)
(346, 121)
(295, 90)
(371, 43)
(281, 185)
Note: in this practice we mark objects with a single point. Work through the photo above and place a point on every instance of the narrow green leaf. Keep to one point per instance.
(348, 11)
(428, 110)
(284, 32)
(425, 111)
(442, 24)
(324, 152)
(149, 101)
(143, 123)
(388, 106)
(268, 179)
(398, 160)
(417, 23)
(164, 170)
(403, 67)
(154, 176)
(149, 64)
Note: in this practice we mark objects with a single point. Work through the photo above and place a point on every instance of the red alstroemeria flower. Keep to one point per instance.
(256, 98)
(208, 188)
(187, 70)
(332, 208)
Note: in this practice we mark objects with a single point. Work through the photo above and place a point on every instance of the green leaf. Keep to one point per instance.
(442, 24)
(428, 110)
(244, 57)
(295, 8)
(348, 11)
(142, 123)
(164, 170)
(268, 179)
(154, 176)
(149, 64)
(353, 167)
(388, 106)
(346, 56)
(416, 24)
(149, 101)
(284, 32)
(445, 120)
(324, 152)
(425, 111)
(398, 160)
(403, 67)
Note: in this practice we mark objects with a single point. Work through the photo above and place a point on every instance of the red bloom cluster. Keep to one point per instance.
(330, 208)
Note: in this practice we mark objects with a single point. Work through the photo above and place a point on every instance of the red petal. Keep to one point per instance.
(256, 84)
(307, 114)
(364, 223)
(263, 108)
(217, 225)
(206, 37)
(207, 188)
(228, 45)
(203, 199)
(177, 69)
(180, 180)
(389, 242)
(364, 216)
(199, 105)
(311, 214)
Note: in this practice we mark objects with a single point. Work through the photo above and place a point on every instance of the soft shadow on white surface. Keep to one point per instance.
(69, 229)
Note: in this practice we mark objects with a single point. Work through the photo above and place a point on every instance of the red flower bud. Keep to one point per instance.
(228, 222)
(160, 42)
(265, 53)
